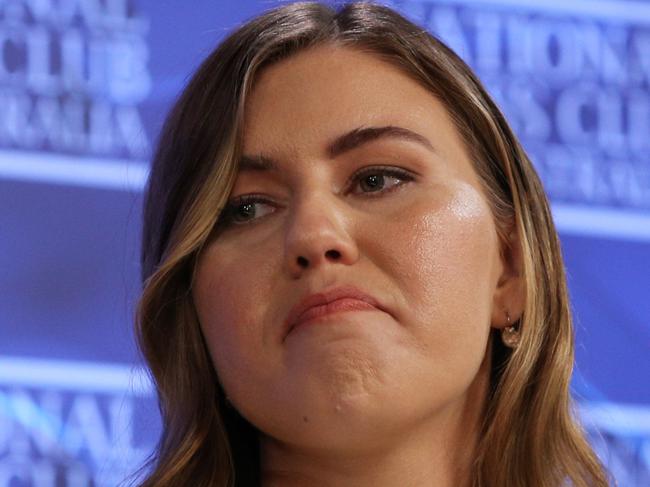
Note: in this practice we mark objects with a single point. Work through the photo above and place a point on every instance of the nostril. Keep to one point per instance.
(333, 253)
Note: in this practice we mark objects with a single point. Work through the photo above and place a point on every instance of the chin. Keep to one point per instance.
(346, 422)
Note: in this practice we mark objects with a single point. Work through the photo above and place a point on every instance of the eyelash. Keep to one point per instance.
(227, 215)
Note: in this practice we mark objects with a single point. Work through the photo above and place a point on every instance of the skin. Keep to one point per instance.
(364, 398)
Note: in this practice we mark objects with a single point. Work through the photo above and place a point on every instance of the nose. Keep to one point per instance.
(317, 234)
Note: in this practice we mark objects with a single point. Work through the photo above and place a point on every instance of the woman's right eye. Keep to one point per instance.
(242, 211)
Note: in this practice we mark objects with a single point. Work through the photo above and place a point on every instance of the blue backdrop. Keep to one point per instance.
(84, 87)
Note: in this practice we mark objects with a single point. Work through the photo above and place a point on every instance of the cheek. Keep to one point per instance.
(444, 268)
(230, 295)
(453, 247)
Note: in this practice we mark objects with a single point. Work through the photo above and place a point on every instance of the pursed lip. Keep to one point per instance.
(324, 297)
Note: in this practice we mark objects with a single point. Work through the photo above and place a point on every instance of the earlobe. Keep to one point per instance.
(509, 293)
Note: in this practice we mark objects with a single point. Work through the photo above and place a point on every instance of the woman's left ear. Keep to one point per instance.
(510, 291)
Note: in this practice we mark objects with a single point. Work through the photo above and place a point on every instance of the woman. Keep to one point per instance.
(351, 275)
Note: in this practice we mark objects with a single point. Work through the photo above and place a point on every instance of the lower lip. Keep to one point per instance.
(345, 304)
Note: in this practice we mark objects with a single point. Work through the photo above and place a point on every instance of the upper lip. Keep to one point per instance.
(327, 296)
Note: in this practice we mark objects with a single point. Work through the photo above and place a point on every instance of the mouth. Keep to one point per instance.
(316, 307)
(338, 306)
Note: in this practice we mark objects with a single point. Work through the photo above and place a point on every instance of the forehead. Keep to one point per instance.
(300, 104)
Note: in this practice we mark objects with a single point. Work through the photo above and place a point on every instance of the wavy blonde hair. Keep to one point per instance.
(530, 435)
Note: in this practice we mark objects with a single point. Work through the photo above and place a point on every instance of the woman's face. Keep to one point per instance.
(422, 242)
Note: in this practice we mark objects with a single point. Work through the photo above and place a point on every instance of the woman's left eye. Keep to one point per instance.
(375, 178)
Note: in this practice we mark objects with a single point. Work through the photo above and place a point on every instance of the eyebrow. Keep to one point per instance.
(344, 143)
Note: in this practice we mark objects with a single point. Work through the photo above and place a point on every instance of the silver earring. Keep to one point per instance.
(510, 335)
